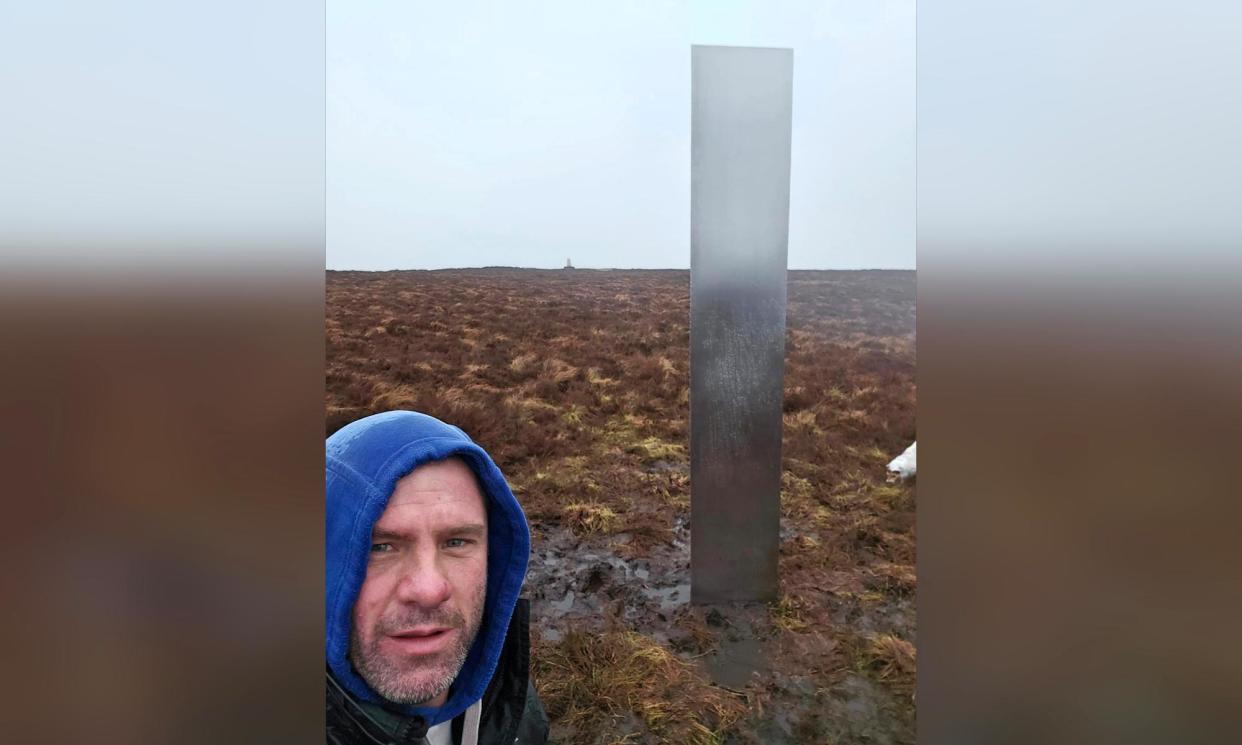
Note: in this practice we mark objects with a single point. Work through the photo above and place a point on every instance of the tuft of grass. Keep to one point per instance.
(590, 518)
(876, 453)
(523, 363)
(593, 683)
(653, 448)
(804, 419)
(787, 613)
(558, 371)
(889, 496)
(893, 579)
(886, 658)
(797, 496)
(594, 377)
(388, 397)
(893, 660)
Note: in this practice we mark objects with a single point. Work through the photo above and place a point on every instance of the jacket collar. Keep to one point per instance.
(369, 722)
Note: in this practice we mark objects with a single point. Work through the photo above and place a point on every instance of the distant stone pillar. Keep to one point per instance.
(741, 117)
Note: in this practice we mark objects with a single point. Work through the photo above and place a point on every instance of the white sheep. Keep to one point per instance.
(903, 466)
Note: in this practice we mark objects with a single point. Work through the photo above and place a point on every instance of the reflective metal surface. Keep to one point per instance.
(741, 116)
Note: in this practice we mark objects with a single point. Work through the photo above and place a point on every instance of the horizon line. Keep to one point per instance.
(611, 269)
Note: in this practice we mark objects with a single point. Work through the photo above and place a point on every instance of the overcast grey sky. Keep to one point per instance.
(493, 133)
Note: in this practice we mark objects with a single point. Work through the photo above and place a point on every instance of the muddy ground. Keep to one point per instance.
(577, 383)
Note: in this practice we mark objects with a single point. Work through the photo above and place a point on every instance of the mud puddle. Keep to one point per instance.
(583, 584)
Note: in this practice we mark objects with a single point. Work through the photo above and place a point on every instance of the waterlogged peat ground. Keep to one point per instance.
(577, 383)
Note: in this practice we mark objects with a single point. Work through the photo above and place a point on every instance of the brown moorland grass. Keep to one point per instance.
(577, 383)
(593, 683)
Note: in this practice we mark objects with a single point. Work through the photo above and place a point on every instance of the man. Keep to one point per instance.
(427, 640)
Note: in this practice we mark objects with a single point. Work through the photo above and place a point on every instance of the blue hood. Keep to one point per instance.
(364, 461)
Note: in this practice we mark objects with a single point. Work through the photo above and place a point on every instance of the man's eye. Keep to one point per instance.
(457, 543)
(379, 548)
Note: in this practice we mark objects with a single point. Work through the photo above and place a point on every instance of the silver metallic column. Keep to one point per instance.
(741, 116)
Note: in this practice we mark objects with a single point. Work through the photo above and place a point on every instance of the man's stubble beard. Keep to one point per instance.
(394, 681)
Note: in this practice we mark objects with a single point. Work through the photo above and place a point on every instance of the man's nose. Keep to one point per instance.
(423, 583)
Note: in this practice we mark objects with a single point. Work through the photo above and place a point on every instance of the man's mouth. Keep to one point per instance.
(422, 639)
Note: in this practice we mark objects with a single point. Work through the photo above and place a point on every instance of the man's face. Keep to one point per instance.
(421, 603)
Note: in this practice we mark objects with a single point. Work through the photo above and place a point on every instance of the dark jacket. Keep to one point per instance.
(512, 712)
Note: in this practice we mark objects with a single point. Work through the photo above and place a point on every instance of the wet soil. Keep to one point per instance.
(589, 584)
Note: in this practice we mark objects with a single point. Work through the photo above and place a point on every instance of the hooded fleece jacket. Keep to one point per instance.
(365, 460)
